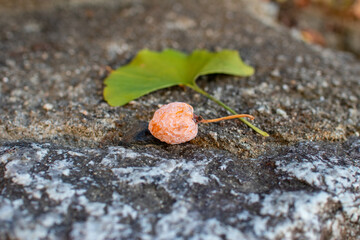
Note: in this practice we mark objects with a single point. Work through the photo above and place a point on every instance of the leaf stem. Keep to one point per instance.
(196, 88)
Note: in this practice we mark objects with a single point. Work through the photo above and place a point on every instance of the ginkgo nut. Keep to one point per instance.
(176, 123)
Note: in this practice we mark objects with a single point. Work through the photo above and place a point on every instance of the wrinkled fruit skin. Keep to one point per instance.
(174, 123)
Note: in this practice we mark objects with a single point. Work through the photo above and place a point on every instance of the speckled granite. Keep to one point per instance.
(300, 192)
(53, 63)
(72, 167)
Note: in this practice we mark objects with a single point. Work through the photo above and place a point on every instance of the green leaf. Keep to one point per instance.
(150, 71)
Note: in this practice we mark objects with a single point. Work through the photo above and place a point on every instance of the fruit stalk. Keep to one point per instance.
(196, 88)
(226, 118)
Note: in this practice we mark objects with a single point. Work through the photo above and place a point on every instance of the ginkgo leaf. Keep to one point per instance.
(150, 71)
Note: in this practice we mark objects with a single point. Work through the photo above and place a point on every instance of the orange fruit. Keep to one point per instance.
(174, 123)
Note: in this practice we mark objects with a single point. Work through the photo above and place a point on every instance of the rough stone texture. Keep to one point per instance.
(307, 191)
(73, 167)
(53, 65)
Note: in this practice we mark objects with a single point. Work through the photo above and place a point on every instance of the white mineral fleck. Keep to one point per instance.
(281, 112)
(48, 106)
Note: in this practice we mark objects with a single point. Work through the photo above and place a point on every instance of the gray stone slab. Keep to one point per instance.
(307, 191)
(72, 167)
(53, 63)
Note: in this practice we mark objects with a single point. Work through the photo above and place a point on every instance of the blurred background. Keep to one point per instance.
(329, 23)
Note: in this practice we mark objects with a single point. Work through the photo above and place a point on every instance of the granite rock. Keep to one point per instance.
(306, 191)
(72, 167)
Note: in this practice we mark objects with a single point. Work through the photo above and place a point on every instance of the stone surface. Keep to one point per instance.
(73, 167)
(58, 57)
(306, 191)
